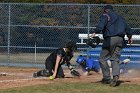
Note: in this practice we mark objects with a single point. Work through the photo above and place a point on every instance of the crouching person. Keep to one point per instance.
(54, 62)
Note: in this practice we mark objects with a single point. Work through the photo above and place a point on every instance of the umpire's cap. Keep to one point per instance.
(108, 7)
(70, 45)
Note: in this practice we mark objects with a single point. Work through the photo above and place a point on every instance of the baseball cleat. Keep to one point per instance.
(106, 81)
(35, 75)
(114, 81)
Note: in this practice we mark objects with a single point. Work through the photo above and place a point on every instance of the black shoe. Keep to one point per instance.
(114, 81)
(35, 75)
(106, 81)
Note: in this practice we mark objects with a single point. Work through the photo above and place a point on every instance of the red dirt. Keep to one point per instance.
(18, 77)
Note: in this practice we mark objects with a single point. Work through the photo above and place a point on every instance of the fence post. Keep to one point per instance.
(9, 20)
(88, 54)
(35, 51)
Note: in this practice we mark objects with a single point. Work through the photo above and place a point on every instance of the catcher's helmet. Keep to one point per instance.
(93, 42)
(71, 45)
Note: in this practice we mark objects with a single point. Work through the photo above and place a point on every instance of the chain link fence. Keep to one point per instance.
(29, 32)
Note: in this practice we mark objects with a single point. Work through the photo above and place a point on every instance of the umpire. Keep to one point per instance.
(114, 28)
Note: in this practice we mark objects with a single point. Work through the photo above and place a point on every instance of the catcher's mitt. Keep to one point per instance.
(75, 73)
(93, 42)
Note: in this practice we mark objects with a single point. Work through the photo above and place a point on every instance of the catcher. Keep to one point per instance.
(54, 62)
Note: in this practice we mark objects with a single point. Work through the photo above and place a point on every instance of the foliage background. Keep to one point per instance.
(75, 1)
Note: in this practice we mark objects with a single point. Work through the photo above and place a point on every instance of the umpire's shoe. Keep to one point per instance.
(114, 82)
(106, 81)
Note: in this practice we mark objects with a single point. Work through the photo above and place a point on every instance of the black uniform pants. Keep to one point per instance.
(51, 66)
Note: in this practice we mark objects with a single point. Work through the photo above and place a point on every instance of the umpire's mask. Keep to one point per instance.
(93, 42)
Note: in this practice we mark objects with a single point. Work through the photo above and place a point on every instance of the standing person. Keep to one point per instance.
(54, 62)
(113, 28)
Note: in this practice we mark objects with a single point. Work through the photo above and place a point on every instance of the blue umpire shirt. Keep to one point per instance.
(112, 24)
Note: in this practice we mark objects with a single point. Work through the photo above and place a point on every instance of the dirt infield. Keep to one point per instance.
(18, 77)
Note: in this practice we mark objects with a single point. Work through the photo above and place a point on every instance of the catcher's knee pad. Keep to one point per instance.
(46, 73)
(35, 75)
(43, 72)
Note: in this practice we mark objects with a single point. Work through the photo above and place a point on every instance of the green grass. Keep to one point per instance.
(75, 88)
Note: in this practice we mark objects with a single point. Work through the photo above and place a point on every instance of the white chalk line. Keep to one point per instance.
(21, 80)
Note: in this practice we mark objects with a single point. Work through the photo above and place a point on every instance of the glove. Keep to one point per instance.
(93, 42)
(75, 73)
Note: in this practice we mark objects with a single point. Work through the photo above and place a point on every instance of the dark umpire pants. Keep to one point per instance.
(111, 50)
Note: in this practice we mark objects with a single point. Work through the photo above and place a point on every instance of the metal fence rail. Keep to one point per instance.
(29, 32)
